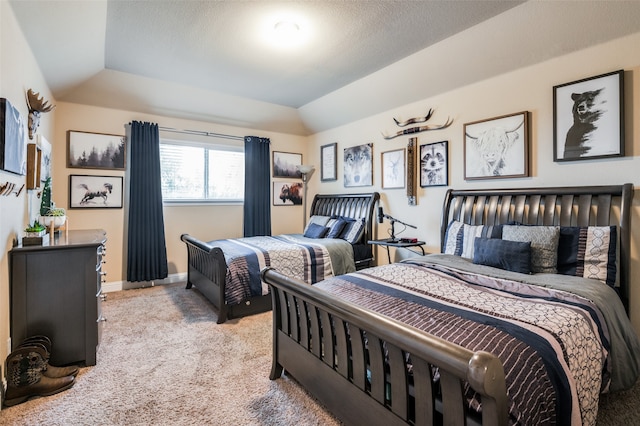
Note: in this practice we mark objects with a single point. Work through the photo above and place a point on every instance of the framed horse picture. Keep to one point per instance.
(95, 192)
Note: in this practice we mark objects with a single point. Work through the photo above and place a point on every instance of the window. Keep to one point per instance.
(193, 172)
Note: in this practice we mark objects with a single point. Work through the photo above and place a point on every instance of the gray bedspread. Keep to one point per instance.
(625, 345)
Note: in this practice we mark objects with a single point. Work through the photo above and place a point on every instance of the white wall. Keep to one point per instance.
(18, 72)
(528, 89)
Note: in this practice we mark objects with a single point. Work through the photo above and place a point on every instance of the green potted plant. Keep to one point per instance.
(49, 213)
(35, 230)
(35, 235)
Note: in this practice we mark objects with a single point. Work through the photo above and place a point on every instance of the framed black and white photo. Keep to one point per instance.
(358, 165)
(13, 145)
(285, 165)
(45, 162)
(95, 150)
(393, 169)
(328, 163)
(434, 164)
(95, 192)
(287, 193)
(588, 118)
(497, 147)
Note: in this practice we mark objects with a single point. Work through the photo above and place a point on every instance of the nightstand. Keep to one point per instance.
(398, 244)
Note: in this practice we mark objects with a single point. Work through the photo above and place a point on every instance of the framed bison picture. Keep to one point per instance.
(287, 193)
(588, 118)
(497, 147)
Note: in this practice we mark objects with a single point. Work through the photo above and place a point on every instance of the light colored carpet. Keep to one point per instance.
(163, 360)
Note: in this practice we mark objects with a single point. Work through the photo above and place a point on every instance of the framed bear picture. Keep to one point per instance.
(588, 118)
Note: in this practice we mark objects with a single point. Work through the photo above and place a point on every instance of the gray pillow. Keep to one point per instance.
(544, 244)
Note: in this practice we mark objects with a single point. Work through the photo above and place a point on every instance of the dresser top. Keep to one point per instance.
(70, 239)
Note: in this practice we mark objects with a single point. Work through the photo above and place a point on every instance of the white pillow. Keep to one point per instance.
(318, 220)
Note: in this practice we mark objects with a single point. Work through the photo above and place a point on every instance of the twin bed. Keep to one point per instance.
(522, 319)
(227, 272)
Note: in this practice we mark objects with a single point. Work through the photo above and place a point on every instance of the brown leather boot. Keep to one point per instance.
(48, 369)
(25, 379)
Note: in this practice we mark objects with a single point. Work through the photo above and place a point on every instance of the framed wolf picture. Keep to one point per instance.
(588, 118)
(358, 165)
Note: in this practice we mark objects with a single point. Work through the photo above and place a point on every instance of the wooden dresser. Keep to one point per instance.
(56, 290)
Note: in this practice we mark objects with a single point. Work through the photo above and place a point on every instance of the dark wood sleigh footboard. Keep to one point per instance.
(207, 272)
(353, 361)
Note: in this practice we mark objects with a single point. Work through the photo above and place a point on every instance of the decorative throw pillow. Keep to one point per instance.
(353, 231)
(471, 232)
(315, 231)
(504, 254)
(453, 238)
(317, 219)
(589, 252)
(544, 244)
(460, 237)
(335, 227)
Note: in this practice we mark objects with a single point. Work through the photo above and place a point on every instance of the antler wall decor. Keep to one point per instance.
(419, 129)
(415, 120)
(37, 106)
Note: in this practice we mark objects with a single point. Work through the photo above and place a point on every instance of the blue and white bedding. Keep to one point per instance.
(307, 259)
(562, 339)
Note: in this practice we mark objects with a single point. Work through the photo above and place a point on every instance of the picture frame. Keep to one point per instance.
(87, 150)
(588, 118)
(34, 166)
(45, 164)
(393, 169)
(328, 162)
(95, 192)
(497, 147)
(286, 193)
(12, 139)
(358, 165)
(434, 164)
(285, 165)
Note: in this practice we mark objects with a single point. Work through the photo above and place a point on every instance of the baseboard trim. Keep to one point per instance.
(127, 285)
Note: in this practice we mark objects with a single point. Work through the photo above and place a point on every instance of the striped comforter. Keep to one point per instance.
(554, 345)
(246, 257)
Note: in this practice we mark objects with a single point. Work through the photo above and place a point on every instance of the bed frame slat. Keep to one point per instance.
(452, 399)
(604, 210)
(376, 368)
(359, 373)
(549, 210)
(424, 392)
(341, 342)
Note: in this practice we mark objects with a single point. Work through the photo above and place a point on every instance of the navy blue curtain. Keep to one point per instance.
(257, 191)
(146, 247)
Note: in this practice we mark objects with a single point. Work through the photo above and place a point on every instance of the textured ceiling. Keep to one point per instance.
(208, 60)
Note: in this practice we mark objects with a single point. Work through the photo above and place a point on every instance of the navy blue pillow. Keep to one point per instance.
(315, 231)
(336, 227)
(504, 254)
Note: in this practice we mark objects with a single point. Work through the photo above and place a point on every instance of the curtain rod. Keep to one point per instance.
(201, 133)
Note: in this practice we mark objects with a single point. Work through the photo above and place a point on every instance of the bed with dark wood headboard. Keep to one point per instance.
(416, 342)
(209, 272)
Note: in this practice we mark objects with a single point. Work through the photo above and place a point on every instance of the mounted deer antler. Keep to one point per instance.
(37, 106)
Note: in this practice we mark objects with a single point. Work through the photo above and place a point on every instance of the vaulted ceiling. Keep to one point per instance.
(212, 61)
